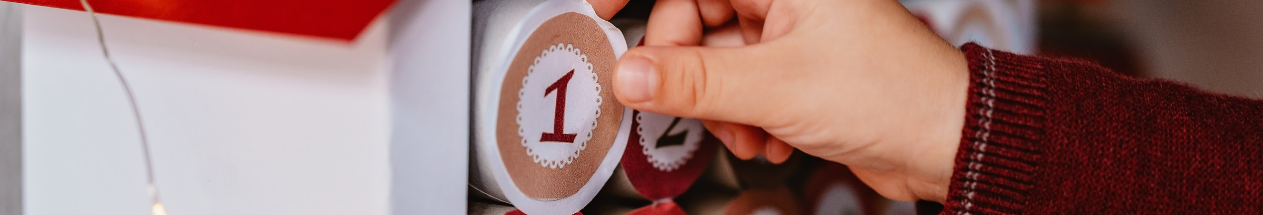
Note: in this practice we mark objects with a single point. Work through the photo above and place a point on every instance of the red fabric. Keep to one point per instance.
(518, 212)
(655, 184)
(337, 19)
(666, 208)
(1049, 136)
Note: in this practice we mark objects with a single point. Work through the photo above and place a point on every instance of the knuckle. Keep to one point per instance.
(697, 88)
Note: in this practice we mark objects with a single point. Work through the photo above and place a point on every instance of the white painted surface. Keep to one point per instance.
(429, 151)
(239, 122)
(10, 108)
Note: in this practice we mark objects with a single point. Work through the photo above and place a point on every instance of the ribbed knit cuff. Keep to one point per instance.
(1004, 120)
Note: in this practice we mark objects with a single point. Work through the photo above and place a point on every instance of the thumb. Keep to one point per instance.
(696, 82)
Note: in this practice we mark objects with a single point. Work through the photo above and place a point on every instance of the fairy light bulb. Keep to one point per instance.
(158, 209)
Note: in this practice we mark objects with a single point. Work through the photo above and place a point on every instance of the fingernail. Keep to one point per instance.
(725, 137)
(637, 80)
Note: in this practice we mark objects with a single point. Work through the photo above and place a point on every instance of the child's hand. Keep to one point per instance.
(859, 82)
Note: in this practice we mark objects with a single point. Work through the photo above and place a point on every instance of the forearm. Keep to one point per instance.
(1046, 135)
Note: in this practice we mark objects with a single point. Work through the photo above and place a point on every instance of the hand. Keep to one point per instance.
(858, 82)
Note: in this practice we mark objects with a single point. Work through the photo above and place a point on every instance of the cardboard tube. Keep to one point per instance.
(548, 131)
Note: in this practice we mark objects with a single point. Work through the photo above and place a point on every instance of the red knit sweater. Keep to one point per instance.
(1050, 136)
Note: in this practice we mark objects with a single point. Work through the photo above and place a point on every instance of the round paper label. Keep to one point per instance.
(665, 154)
(668, 141)
(544, 113)
(557, 119)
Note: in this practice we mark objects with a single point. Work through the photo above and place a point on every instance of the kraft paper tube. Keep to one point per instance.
(548, 131)
(664, 154)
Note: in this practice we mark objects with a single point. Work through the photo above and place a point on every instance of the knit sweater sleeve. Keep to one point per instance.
(1051, 136)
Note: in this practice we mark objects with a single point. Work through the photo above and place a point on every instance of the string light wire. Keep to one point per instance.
(157, 208)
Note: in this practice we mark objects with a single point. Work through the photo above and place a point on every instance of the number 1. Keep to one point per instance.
(559, 113)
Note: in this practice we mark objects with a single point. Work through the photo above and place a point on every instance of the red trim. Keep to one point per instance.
(665, 208)
(336, 19)
(518, 212)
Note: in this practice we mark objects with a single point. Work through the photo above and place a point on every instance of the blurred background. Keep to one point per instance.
(1215, 45)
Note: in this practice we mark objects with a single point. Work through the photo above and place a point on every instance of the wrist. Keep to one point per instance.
(931, 170)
